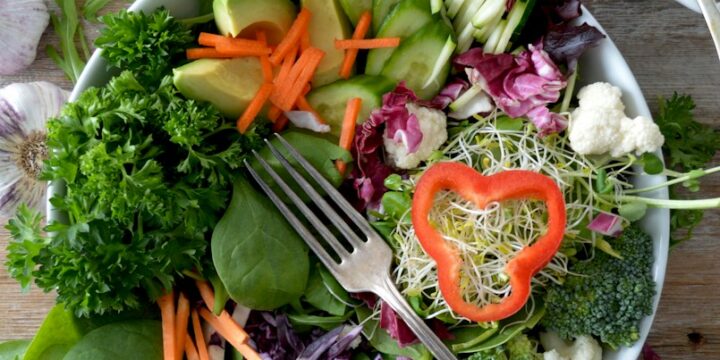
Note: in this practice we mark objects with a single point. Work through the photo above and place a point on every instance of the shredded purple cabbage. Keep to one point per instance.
(521, 85)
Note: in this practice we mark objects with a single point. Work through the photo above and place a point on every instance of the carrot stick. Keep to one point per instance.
(254, 107)
(265, 60)
(347, 133)
(292, 37)
(167, 313)
(228, 42)
(190, 350)
(181, 322)
(208, 39)
(368, 43)
(286, 66)
(305, 41)
(351, 54)
(234, 50)
(208, 297)
(303, 105)
(274, 113)
(303, 72)
(199, 337)
(205, 53)
(231, 331)
(280, 124)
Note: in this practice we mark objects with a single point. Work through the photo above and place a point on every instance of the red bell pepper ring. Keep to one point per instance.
(482, 190)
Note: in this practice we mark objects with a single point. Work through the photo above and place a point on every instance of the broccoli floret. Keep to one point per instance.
(609, 297)
(496, 353)
(521, 347)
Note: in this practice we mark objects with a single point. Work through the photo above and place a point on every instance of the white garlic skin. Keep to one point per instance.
(24, 111)
(21, 25)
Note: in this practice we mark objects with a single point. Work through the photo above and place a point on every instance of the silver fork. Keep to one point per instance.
(364, 268)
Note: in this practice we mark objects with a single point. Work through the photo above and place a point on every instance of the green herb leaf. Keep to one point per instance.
(67, 27)
(689, 146)
(91, 7)
(136, 339)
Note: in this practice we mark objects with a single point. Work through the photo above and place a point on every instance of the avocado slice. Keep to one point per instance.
(230, 85)
(244, 17)
(328, 23)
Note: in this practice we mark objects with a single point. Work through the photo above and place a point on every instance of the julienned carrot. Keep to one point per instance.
(208, 297)
(280, 124)
(274, 113)
(351, 54)
(303, 105)
(214, 40)
(167, 314)
(231, 331)
(205, 53)
(199, 337)
(286, 66)
(290, 94)
(267, 68)
(305, 41)
(284, 84)
(181, 322)
(347, 133)
(233, 50)
(368, 43)
(254, 107)
(293, 36)
(190, 350)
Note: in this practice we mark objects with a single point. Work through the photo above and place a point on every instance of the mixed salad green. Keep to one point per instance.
(156, 201)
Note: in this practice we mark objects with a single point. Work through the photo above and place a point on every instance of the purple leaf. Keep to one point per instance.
(568, 9)
(368, 298)
(344, 342)
(396, 327)
(447, 95)
(322, 344)
(607, 224)
(566, 43)
(649, 354)
(521, 85)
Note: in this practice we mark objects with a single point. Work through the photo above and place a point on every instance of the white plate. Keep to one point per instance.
(602, 63)
(690, 4)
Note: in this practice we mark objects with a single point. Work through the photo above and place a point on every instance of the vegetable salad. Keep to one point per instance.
(458, 127)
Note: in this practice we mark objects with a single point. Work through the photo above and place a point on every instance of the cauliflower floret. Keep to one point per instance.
(583, 348)
(600, 126)
(601, 95)
(595, 131)
(434, 129)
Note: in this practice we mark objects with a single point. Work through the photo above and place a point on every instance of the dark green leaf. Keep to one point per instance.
(652, 164)
(136, 339)
(633, 211)
(258, 256)
(327, 323)
(318, 294)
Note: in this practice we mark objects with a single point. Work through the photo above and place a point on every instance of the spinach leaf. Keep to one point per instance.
(318, 294)
(318, 151)
(135, 339)
(258, 256)
(13, 349)
(302, 322)
(59, 332)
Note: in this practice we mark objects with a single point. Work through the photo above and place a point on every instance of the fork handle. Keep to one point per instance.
(390, 294)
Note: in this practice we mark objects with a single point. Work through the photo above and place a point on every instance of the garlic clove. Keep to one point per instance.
(24, 111)
(21, 25)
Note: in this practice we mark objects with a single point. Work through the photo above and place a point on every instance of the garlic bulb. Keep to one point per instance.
(21, 25)
(24, 111)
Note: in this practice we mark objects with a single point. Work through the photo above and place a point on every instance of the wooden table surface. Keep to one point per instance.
(669, 49)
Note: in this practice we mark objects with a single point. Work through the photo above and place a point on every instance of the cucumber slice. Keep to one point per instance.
(494, 39)
(529, 7)
(436, 6)
(441, 63)
(404, 20)
(418, 59)
(465, 38)
(483, 34)
(453, 7)
(467, 12)
(518, 12)
(490, 10)
(354, 8)
(330, 100)
(380, 9)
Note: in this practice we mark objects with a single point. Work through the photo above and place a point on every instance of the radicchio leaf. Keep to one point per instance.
(447, 95)
(607, 224)
(396, 327)
(521, 85)
(566, 43)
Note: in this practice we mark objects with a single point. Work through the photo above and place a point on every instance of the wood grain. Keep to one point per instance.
(668, 49)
